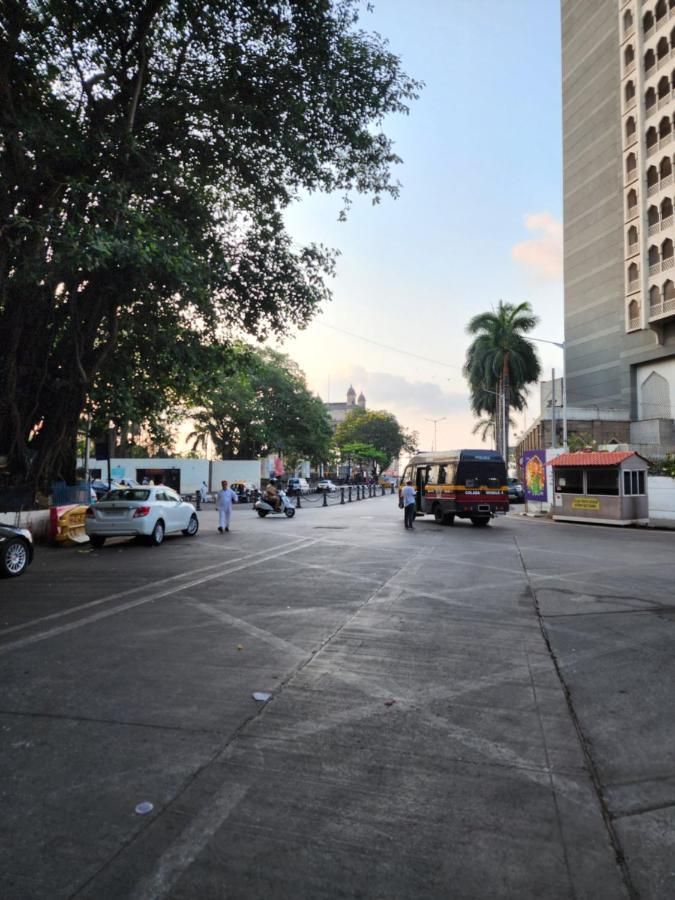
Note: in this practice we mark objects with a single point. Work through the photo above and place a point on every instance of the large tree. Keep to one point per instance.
(262, 404)
(501, 363)
(377, 428)
(148, 149)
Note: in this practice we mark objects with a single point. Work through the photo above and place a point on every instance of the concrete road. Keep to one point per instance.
(454, 713)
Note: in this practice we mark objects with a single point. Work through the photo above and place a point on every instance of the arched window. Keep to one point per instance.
(647, 22)
(665, 167)
(667, 250)
(652, 177)
(672, 38)
(629, 91)
(663, 87)
(668, 290)
(629, 56)
(666, 210)
(655, 397)
(631, 201)
(630, 128)
(633, 311)
(633, 273)
(632, 238)
(627, 21)
(652, 216)
(631, 165)
(650, 98)
(662, 48)
(665, 127)
(654, 296)
(661, 9)
(654, 257)
(652, 137)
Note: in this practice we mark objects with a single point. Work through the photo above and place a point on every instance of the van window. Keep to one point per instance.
(432, 475)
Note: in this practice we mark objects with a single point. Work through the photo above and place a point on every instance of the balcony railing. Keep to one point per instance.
(654, 228)
(667, 263)
(664, 101)
(630, 31)
(634, 323)
(652, 148)
(666, 180)
(655, 268)
(630, 104)
(650, 110)
(631, 140)
(649, 32)
(630, 67)
(667, 222)
(653, 189)
(662, 308)
(633, 249)
(665, 140)
(632, 213)
(648, 69)
(631, 176)
(633, 285)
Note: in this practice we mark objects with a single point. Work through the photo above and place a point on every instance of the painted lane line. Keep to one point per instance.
(158, 595)
(118, 596)
(267, 636)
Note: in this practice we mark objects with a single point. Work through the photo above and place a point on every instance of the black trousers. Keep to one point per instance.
(409, 515)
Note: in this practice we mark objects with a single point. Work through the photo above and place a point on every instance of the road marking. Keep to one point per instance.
(190, 843)
(92, 603)
(158, 595)
(267, 636)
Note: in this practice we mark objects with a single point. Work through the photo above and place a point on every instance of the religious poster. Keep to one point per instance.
(534, 475)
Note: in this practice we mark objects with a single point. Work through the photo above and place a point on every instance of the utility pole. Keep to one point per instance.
(435, 421)
(554, 435)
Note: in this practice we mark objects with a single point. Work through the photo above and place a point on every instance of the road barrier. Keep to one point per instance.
(67, 524)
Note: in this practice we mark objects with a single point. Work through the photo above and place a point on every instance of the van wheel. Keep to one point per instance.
(481, 521)
(449, 519)
(439, 515)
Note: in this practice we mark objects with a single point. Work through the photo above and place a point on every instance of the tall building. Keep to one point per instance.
(618, 59)
(338, 411)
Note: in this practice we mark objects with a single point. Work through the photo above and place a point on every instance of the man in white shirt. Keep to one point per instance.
(408, 497)
(224, 500)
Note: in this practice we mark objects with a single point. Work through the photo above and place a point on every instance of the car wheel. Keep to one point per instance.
(290, 512)
(480, 521)
(193, 526)
(439, 515)
(449, 519)
(14, 558)
(97, 540)
(157, 535)
(262, 513)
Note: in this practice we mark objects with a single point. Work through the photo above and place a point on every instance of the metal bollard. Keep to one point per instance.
(342, 496)
(349, 495)
(392, 488)
(358, 491)
(297, 502)
(383, 490)
(325, 498)
(198, 499)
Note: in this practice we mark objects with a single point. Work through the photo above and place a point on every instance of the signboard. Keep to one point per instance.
(534, 475)
(586, 503)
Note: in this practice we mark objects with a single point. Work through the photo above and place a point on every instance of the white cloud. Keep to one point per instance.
(542, 254)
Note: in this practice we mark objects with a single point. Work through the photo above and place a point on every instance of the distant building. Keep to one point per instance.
(338, 411)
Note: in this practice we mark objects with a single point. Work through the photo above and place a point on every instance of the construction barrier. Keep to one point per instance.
(67, 524)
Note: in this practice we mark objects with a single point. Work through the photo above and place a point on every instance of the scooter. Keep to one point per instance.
(263, 508)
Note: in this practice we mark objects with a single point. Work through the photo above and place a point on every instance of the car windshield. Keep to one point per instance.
(127, 494)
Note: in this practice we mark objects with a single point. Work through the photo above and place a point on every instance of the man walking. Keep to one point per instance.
(408, 497)
(224, 500)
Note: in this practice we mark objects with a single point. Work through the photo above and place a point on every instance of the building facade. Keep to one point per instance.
(338, 411)
(618, 153)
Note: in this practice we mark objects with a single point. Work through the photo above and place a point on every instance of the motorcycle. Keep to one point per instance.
(264, 508)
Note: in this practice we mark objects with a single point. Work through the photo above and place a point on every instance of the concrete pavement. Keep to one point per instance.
(455, 712)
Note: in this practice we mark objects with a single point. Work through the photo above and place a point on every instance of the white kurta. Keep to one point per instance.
(224, 501)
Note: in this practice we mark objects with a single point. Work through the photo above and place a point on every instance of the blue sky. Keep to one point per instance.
(481, 153)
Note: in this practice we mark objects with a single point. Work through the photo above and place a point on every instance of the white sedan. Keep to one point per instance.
(326, 485)
(148, 512)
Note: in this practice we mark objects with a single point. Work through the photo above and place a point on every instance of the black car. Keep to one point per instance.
(16, 550)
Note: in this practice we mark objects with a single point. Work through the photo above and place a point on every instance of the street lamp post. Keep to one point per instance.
(562, 346)
(501, 398)
(435, 421)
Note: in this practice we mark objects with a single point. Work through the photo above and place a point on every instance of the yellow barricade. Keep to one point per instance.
(70, 525)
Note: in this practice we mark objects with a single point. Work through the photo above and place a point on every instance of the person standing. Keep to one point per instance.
(204, 492)
(408, 498)
(224, 500)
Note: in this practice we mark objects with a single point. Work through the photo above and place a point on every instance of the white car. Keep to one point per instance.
(326, 485)
(148, 512)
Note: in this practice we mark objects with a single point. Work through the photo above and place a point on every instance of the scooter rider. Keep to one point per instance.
(272, 495)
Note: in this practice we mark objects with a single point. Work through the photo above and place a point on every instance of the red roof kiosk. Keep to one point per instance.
(602, 488)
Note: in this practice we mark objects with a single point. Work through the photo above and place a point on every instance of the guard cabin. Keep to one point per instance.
(600, 488)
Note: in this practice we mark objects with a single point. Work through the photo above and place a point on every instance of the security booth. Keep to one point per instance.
(606, 488)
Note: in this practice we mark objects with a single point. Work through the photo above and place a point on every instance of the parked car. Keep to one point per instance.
(326, 485)
(298, 486)
(16, 550)
(245, 490)
(148, 512)
(101, 487)
(516, 491)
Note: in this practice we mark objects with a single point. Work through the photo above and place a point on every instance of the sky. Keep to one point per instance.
(479, 217)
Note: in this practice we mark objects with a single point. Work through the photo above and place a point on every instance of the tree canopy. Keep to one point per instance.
(501, 363)
(263, 404)
(375, 428)
(148, 149)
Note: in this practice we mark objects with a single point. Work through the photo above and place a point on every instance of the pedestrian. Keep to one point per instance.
(409, 500)
(224, 500)
(204, 491)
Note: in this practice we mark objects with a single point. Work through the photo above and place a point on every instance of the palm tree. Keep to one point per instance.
(501, 363)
